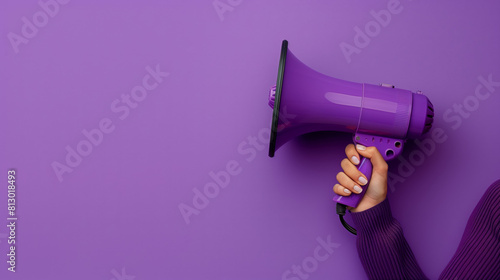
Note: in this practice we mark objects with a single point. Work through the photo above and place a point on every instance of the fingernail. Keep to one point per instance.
(362, 180)
(347, 191)
(360, 147)
(355, 160)
(358, 189)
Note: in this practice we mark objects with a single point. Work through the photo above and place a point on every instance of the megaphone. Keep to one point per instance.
(383, 116)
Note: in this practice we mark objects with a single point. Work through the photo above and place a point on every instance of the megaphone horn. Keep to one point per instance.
(377, 115)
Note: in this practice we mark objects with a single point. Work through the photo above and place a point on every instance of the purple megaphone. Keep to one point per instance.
(377, 115)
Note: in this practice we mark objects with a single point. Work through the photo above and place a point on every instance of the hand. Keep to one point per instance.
(352, 180)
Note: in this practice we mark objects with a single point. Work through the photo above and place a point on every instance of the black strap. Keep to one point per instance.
(341, 209)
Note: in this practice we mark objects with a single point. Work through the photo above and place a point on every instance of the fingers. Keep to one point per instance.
(352, 154)
(346, 182)
(378, 162)
(338, 189)
(351, 179)
(352, 171)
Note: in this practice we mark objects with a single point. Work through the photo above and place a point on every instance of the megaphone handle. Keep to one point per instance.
(353, 200)
(366, 168)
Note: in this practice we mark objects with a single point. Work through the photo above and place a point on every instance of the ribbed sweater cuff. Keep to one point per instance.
(374, 219)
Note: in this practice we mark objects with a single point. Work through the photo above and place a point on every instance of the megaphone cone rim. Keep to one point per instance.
(277, 98)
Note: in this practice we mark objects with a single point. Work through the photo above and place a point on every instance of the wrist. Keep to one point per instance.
(367, 202)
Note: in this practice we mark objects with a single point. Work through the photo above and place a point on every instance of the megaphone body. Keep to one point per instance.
(305, 101)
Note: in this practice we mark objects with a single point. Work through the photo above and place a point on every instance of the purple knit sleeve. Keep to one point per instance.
(381, 245)
(478, 255)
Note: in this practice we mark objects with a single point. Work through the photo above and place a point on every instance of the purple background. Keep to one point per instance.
(119, 207)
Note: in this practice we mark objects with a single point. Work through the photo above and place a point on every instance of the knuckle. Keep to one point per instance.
(371, 150)
(344, 163)
(337, 189)
(349, 148)
(339, 176)
(384, 167)
(354, 173)
(375, 151)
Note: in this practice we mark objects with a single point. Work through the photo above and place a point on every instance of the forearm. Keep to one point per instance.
(382, 248)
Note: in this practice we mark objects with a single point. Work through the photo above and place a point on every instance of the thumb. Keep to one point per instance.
(378, 162)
